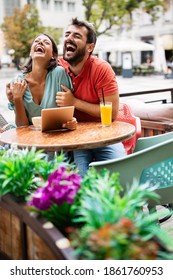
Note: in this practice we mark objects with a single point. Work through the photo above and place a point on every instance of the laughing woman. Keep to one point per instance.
(36, 87)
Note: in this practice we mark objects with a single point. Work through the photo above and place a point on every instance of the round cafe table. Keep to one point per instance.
(88, 135)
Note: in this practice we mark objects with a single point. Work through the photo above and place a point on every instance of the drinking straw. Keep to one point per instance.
(103, 97)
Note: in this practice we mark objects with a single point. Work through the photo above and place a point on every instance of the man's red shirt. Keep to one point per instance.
(97, 74)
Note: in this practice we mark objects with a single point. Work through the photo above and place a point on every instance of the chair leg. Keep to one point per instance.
(167, 206)
(170, 208)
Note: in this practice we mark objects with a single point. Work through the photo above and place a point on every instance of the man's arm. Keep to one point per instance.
(68, 99)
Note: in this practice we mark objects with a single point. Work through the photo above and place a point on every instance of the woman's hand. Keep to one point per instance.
(71, 125)
(9, 93)
(18, 89)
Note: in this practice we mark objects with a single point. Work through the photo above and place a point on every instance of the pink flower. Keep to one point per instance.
(61, 188)
(41, 199)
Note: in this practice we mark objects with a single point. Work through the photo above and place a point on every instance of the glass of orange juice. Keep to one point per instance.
(106, 113)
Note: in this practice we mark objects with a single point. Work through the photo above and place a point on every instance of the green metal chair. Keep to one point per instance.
(146, 142)
(3, 121)
(152, 161)
(4, 124)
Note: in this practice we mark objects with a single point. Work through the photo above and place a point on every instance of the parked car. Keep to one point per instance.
(5, 60)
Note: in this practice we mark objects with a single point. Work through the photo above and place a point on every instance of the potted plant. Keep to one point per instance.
(114, 225)
(23, 171)
(99, 217)
(104, 223)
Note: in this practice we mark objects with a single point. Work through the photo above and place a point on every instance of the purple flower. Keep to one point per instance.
(63, 186)
(41, 199)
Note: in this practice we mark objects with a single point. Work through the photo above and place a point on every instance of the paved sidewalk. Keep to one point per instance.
(142, 83)
(6, 75)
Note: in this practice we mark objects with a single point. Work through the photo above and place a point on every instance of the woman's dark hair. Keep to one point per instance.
(91, 36)
(27, 67)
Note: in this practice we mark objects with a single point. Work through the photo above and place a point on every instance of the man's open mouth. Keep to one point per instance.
(70, 48)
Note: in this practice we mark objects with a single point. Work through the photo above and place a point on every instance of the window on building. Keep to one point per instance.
(168, 14)
(31, 2)
(10, 5)
(71, 6)
(58, 5)
(147, 56)
(45, 4)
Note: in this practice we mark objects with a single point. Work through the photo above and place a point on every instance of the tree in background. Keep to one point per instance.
(55, 33)
(21, 28)
(108, 13)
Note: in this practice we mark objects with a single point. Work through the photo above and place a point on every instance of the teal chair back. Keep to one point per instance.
(153, 163)
(146, 142)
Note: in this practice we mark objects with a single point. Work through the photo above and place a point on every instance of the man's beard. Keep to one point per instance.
(77, 58)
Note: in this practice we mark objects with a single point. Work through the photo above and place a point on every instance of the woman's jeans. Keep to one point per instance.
(83, 158)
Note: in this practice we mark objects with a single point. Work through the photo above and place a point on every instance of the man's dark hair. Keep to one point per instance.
(91, 36)
(53, 62)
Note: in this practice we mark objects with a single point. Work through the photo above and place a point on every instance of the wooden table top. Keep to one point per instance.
(88, 135)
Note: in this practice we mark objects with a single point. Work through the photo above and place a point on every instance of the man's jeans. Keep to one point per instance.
(83, 158)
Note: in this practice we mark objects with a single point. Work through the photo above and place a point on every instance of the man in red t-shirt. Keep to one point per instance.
(95, 75)
(90, 75)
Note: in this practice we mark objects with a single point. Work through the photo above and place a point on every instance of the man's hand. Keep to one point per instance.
(65, 98)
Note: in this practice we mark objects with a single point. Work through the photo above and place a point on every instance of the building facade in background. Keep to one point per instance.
(57, 13)
(160, 34)
(54, 13)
